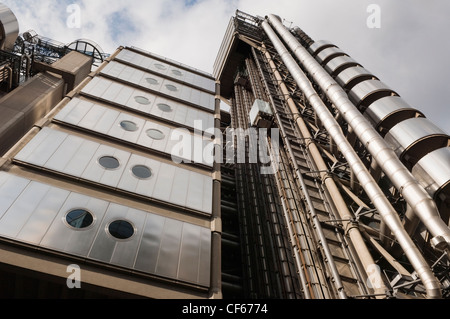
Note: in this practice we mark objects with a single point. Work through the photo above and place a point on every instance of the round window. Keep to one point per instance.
(129, 126)
(121, 229)
(177, 72)
(141, 171)
(152, 81)
(164, 107)
(155, 134)
(171, 87)
(160, 66)
(142, 100)
(109, 162)
(79, 218)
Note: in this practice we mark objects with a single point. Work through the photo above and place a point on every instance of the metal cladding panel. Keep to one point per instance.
(190, 252)
(351, 74)
(18, 214)
(433, 170)
(382, 108)
(339, 63)
(167, 182)
(166, 69)
(10, 188)
(169, 253)
(9, 28)
(39, 222)
(109, 122)
(313, 48)
(36, 214)
(152, 82)
(411, 131)
(147, 257)
(328, 53)
(62, 237)
(126, 96)
(205, 256)
(118, 252)
(362, 90)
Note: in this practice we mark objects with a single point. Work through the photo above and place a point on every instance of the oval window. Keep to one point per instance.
(142, 100)
(152, 81)
(160, 66)
(177, 72)
(171, 87)
(142, 171)
(109, 162)
(79, 218)
(129, 126)
(155, 134)
(165, 107)
(121, 229)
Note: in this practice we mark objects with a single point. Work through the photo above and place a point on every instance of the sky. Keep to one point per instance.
(407, 48)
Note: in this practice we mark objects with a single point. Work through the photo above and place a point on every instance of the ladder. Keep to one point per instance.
(294, 198)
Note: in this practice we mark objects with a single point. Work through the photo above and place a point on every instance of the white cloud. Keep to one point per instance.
(409, 52)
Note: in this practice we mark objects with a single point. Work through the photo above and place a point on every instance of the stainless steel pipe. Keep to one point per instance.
(377, 197)
(414, 194)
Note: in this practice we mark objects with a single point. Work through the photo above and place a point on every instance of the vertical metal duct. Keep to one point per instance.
(9, 28)
(403, 180)
(385, 209)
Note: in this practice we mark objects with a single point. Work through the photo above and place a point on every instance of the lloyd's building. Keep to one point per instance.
(114, 183)
(89, 184)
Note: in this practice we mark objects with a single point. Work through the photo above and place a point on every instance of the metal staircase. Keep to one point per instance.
(305, 221)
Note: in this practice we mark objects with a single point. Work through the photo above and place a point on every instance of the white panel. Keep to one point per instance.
(125, 251)
(170, 249)
(47, 147)
(107, 120)
(117, 131)
(32, 145)
(18, 214)
(164, 182)
(180, 187)
(43, 215)
(97, 86)
(82, 158)
(78, 242)
(64, 154)
(147, 187)
(195, 192)
(10, 188)
(112, 92)
(147, 256)
(74, 111)
(93, 116)
(95, 172)
(205, 258)
(207, 194)
(125, 94)
(190, 253)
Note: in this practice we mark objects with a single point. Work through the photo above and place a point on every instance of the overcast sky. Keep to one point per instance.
(410, 52)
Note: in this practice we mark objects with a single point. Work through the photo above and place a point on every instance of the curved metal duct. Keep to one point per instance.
(339, 64)
(366, 92)
(352, 76)
(320, 45)
(373, 191)
(388, 111)
(433, 172)
(403, 180)
(9, 28)
(326, 55)
(413, 138)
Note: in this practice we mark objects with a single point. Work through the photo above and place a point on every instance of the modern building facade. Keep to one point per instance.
(96, 202)
(116, 179)
(359, 204)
